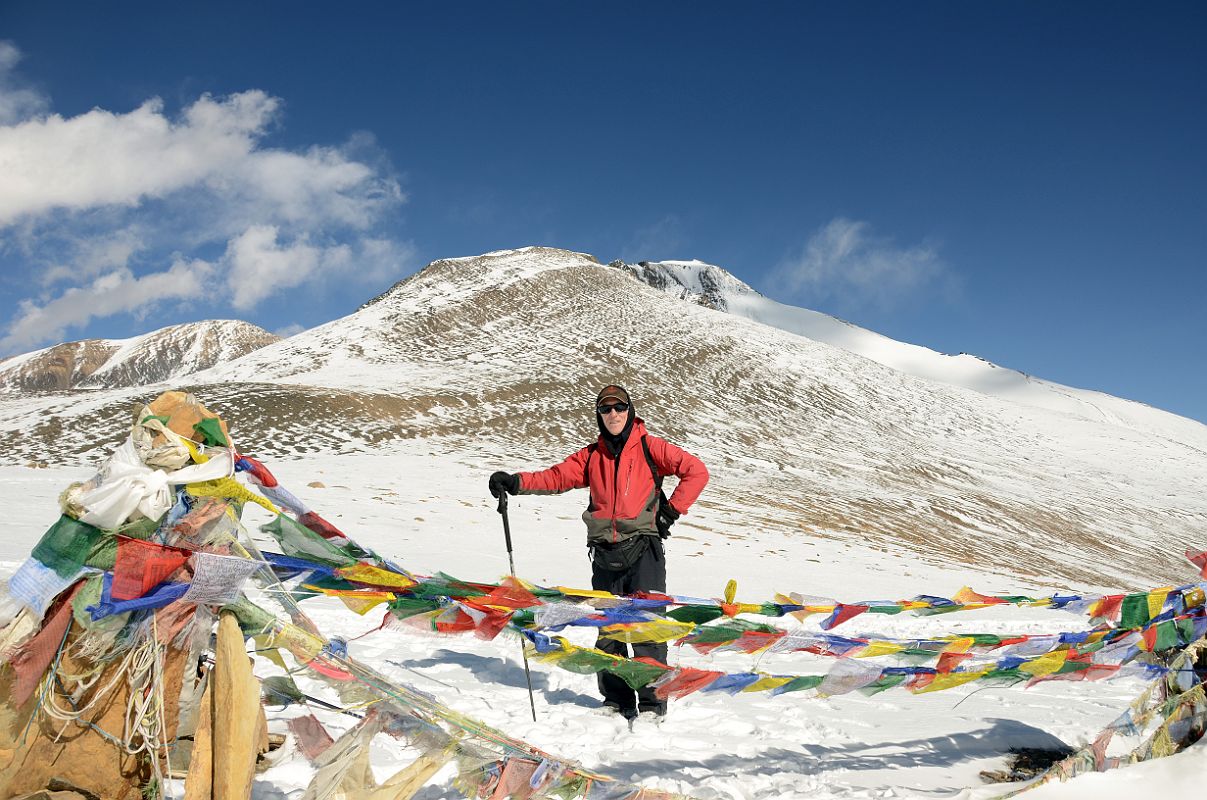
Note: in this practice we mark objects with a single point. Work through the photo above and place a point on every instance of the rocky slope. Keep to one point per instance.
(161, 355)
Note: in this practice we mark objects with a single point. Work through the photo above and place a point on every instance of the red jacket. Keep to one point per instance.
(624, 498)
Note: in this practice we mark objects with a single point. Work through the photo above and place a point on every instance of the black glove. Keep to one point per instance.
(505, 482)
(665, 519)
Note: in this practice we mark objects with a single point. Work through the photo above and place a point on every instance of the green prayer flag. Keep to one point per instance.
(635, 673)
(300, 542)
(697, 614)
(585, 662)
(211, 432)
(280, 690)
(162, 418)
(882, 683)
(1134, 611)
(90, 595)
(1007, 676)
(726, 631)
(65, 547)
(1185, 631)
(252, 619)
(568, 788)
(1167, 635)
(403, 607)
(801, 684)
(1072, 666)
(444, 585)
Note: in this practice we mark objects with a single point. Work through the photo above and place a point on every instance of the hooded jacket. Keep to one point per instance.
(624, 497)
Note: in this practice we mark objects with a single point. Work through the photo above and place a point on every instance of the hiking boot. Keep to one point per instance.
(656, 709)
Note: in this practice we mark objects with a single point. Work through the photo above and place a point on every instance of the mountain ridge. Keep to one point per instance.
(160, 355)
(496, 358)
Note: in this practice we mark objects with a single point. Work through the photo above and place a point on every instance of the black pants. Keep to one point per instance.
(648, 574)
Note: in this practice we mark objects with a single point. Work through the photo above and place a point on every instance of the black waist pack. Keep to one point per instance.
(621, 555)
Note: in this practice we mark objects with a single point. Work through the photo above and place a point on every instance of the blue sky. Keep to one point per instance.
(1022, 181)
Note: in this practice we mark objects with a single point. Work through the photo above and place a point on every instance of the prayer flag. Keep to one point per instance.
(217, 579)
(141, 566)
(842, 613)
(65, 547)
(682, 681)
(300, 542)
(638, 672)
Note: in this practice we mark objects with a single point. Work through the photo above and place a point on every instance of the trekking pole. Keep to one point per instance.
(511, 564)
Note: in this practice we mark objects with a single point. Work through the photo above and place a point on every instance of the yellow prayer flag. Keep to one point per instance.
(267, 649)
(879, 648)
(950, 680)
(375, 576)
(364, 602)
(1045, 664)
(303, 645)
(768, 682)
(731, 590)
(229, 489)
(554, 656)
(657, 630)
(583, 592)
(959, 644)
(1156, 599)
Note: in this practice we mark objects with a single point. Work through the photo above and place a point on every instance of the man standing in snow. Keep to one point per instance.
(627, 518)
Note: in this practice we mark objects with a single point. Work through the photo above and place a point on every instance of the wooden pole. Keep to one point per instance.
(236, 714)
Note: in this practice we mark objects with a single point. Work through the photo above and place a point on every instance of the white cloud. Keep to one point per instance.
(16, 102)
(95, 206)
(845, 262)
(259, 266)
(289, 330)
(657, 242)
(93, 256)
(383, 260)
(112, 293)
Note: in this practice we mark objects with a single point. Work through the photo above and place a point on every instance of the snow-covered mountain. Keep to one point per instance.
(162, 355)
(496, 359)
(715, 288)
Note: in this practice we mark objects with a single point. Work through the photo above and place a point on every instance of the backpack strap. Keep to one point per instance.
(649, 459)
(591, 448)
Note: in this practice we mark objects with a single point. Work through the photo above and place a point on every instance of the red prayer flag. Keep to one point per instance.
(487, 621)
(514, 781)
(509, 595)
(682, 681)
(454, 620)
(1199, 559)
(141, 566)
(321, 526)
(312, 738)
(842, 613)
(1108, 607)
(260, 472)
(34, 656)
(949, 661)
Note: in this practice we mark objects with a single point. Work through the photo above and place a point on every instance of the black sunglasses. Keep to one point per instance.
(619, 408)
